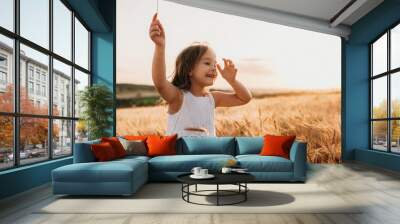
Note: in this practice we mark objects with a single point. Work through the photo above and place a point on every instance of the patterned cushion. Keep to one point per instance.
(134, 147)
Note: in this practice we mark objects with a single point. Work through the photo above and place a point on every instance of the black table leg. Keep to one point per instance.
(217, 194)
(182, 189)
(196, 188)
(188, 189)
(245, 193)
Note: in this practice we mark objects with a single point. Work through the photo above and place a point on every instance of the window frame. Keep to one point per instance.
(16, 114)
(388, 74)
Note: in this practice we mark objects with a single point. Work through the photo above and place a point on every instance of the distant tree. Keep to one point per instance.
(81, 129)
(6, 122)
(396, 124)
(33, 130)
(380, 127)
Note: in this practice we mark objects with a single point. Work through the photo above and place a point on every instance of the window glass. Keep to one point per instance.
(62, 91)
(395, 94)
(395, 47)
(34, 21)
(6, 74)
(30, 58)
(379, 135)
(62, 138)
(34, 81)
(81, 81)
(62, 29)
(33, 140)
(6, 142)
(395, 136)
(81, 45)
(379, 97)
(379, 55)
(81, 131)
(7, 14)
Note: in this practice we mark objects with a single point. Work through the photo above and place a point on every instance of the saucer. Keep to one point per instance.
(240, 171)
(208, 176)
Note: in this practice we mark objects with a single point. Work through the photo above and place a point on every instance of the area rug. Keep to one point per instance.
(167, 198)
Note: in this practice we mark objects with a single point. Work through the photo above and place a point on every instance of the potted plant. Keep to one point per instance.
(96, 102)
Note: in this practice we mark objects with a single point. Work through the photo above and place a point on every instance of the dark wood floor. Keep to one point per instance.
(377, 188)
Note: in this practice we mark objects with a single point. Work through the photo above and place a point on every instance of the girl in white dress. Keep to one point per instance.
(190, 105)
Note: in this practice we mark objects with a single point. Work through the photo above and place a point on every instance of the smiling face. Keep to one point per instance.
(205, 71)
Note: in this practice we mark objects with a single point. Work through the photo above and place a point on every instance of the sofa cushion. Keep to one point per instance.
(116, 145)
(257, 163)
(103, 152)
(111, 171)
(131, 158)
(249, 145)
(83, 152)
(185, 163)
(161, 145)
(206, 145)
(134, 147)
(277, 145)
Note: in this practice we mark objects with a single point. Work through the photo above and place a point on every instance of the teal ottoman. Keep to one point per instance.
(118, 177)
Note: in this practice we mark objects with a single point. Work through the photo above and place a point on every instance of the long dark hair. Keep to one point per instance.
(185, 63)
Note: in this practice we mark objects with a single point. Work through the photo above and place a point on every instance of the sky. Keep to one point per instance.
(268, 56)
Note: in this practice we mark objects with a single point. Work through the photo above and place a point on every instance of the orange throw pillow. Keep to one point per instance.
(277, 145)
(103, 152)
(161, 145)
(116, 145)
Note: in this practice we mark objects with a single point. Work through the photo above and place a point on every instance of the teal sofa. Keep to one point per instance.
(125, 176)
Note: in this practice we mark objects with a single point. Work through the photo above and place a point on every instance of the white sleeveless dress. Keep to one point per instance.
(195, 112)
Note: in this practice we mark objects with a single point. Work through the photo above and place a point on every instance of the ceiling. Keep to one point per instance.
(326, 16)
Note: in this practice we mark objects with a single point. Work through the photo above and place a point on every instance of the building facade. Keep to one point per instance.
(34, 80)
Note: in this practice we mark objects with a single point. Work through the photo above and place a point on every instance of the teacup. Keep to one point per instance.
(203, 172)
(196, 170)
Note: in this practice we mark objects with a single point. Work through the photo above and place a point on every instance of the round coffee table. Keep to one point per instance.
(238, 179)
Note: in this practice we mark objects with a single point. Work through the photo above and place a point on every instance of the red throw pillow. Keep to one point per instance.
(116, 145)
(161, 145)
(277, 145)
(103, 151)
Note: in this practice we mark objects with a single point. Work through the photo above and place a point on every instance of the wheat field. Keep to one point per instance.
(314, 118)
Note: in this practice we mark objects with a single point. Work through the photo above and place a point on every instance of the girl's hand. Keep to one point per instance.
(229, 71)
(156, 32)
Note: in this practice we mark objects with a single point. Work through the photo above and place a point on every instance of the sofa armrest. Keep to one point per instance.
(298, 155)
(83, 152)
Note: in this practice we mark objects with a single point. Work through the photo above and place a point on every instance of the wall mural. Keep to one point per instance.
(293, 76)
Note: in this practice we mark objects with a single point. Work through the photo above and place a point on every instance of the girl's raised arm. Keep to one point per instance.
(241, 95)
(167, 91)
